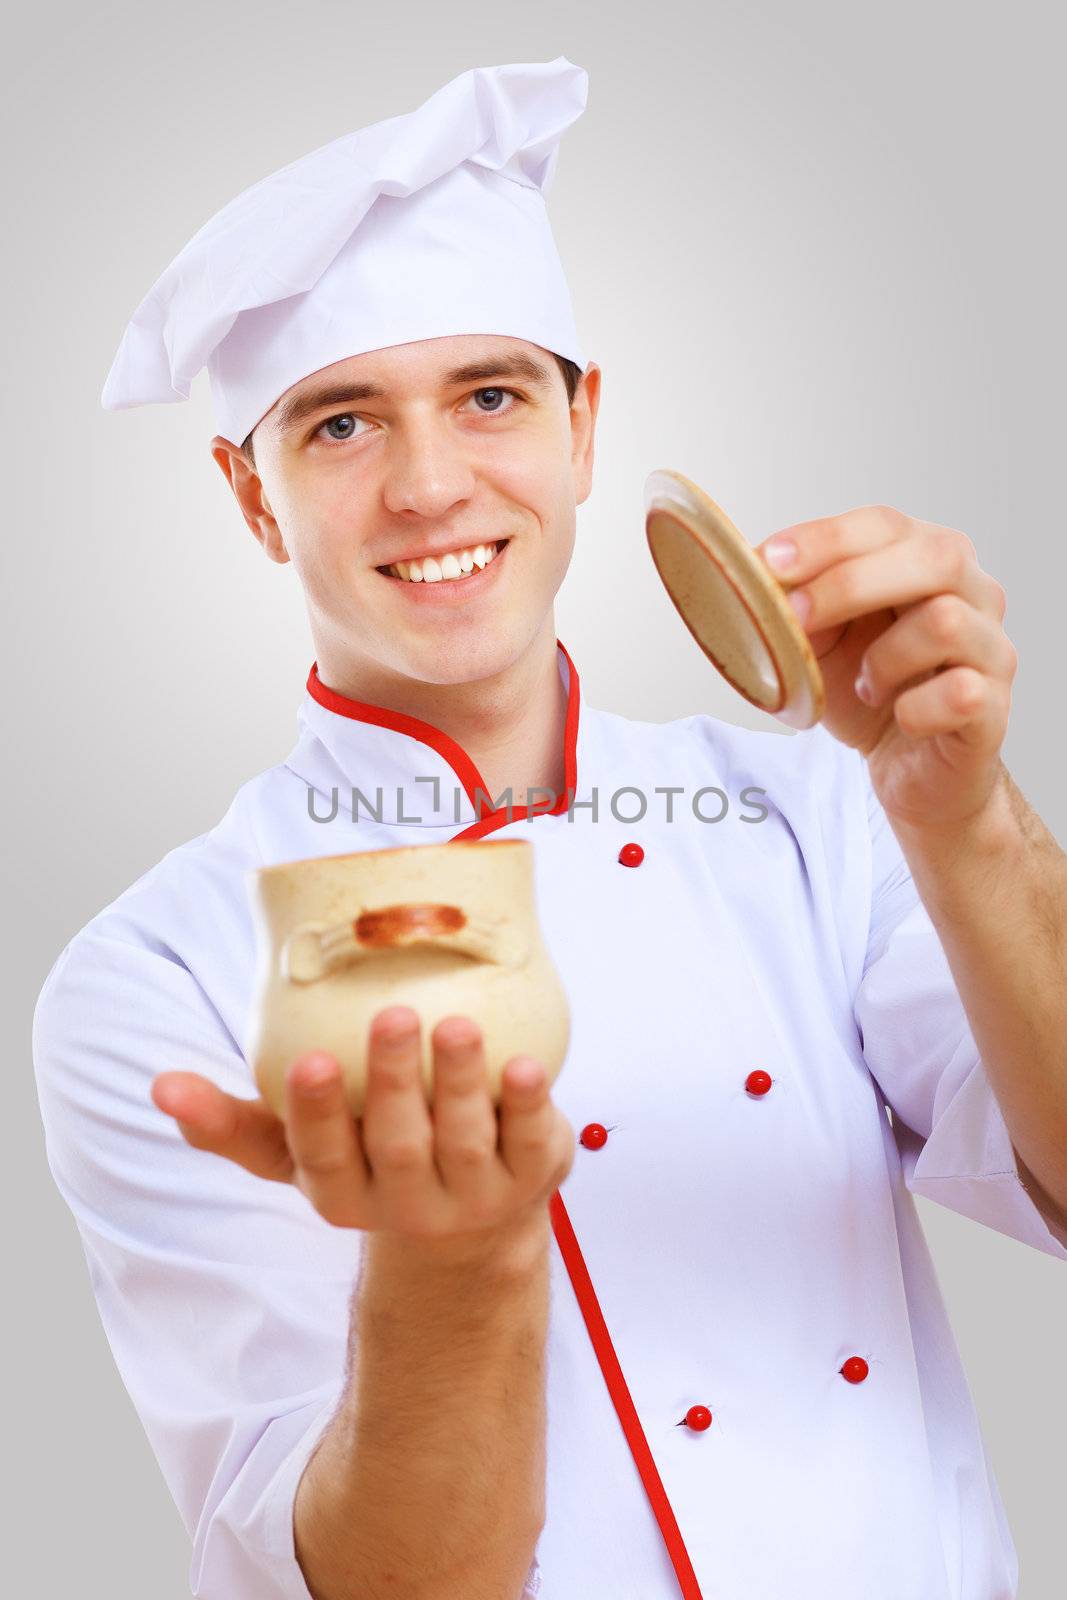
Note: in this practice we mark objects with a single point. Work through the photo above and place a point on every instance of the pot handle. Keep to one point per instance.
(315, 949)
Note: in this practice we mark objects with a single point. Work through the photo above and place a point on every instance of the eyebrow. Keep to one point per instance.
(516, 365)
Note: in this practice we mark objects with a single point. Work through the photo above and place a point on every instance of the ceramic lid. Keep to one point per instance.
(731, 602)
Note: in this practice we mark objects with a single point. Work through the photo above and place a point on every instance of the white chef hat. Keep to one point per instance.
(423, 225)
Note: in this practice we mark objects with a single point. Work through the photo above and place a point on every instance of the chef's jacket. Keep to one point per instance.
(753, 1389)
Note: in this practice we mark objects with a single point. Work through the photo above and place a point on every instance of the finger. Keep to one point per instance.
(528, 1121)
(324, 1140)
(958, 700)
(800, 552)
(939, 632)
(464, 1117)
(244, 1131)
(396, 1127)
(898, 574)
(797, 553)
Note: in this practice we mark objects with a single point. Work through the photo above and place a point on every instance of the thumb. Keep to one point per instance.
(244, 1131)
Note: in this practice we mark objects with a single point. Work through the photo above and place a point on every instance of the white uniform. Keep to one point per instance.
(745, 1000)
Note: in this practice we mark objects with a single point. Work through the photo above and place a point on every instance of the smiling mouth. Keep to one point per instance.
(454, 567)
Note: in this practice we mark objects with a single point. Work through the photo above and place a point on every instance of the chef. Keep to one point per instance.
(767, 942)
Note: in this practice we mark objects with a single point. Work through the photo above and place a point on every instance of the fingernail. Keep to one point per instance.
(780, 554)
(168, 1098)
(396, 1024)
(317, 1075)
(525, 1074)
(800, 600)
(395, 1038)
(863, 686)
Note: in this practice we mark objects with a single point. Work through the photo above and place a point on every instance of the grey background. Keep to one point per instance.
(818, 253)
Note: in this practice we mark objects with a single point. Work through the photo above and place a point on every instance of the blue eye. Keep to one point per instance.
(346, 421)
(496, 411)
(342, 427)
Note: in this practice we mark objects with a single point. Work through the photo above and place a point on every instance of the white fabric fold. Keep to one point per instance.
(421, 226)
(954, 1143)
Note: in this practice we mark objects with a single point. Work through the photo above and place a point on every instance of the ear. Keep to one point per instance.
(584, 409)
(247, 486)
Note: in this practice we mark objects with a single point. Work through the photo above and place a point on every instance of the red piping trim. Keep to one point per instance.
(574, 1261)
(621, 1398)
(454, 754)
(566, 1238)
(399, 722)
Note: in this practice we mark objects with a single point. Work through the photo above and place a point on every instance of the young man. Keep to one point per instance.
(672, 1328)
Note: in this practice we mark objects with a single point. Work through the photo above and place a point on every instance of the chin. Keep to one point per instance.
(463, 658)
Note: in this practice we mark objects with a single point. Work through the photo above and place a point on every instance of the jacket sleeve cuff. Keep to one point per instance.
(968, 1162)
(270, 1519)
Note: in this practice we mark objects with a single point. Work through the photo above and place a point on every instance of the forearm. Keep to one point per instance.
(430, 1481)
(996, 891)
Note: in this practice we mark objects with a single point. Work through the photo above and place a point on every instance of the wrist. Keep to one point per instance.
(953, 866)
(511, 1249)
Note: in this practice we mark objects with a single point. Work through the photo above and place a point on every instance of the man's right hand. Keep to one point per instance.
(461, 1169)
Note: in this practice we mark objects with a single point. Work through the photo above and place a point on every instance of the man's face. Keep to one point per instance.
(424, 448)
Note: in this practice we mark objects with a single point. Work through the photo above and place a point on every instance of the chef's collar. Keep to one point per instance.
(349, 750)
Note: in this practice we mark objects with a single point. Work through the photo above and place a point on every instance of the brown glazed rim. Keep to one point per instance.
(395, 850)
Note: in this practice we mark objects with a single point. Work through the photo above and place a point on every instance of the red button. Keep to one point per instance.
(698, 1418)
(593, 1136)
(855, 1369)
(631, 855)
(758, 1082)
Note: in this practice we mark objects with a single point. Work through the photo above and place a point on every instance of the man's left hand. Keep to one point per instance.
(908, 632)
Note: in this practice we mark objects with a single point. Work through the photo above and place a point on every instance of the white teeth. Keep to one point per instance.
(456, 564)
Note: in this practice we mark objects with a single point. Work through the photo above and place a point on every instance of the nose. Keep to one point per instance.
(428, 470)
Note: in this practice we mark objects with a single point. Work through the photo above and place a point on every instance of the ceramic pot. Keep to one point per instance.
(448, 929)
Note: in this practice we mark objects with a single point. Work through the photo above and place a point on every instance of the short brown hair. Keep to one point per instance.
(569, 370)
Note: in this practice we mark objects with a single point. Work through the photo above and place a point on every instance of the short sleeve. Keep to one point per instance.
(225, 1297)
(954, 1144)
